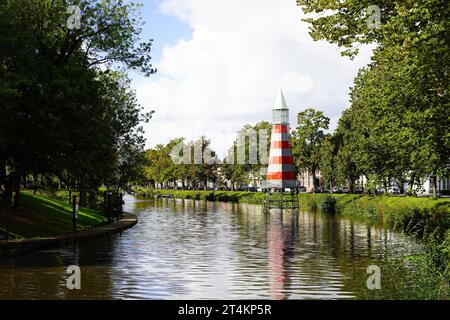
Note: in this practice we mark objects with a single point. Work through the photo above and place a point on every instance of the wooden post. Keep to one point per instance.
(104, 203)
(74, 213)
(109, 207)
(120, 205)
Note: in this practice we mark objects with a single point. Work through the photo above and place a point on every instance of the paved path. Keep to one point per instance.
(128, 221)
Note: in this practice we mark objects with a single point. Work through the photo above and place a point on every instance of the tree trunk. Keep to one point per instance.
(434, 181)
(314, 178)
(3, 177)
(411, 183)
(385, 186)
(15, 179)
(34, 183)
(8, 191)
(2, 172)
(82, 201)
(401, 186)
(92, 198)
(16, 199)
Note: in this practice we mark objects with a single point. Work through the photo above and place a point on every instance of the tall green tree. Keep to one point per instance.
(60, 111)
(307, 140)
(247, 158)
(400, 102)
(328, 152)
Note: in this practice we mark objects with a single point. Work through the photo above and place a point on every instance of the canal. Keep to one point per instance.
(186, 249)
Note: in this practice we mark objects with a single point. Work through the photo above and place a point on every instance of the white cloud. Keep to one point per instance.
(241, 53)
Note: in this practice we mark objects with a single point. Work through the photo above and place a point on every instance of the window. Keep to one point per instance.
(281, 116)
(285, 116)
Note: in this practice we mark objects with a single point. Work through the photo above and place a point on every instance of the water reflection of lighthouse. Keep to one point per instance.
(279, 246)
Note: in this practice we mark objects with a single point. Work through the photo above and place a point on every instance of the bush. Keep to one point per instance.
(371, 213)
(327, 203)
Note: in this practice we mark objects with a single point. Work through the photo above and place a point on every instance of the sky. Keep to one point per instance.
(222, 63)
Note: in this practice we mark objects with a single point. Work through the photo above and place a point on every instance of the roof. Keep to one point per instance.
(280, 103)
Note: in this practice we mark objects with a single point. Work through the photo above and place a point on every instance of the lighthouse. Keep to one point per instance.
(281, 178)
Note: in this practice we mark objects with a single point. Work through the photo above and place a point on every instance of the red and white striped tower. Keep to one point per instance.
(280, 173)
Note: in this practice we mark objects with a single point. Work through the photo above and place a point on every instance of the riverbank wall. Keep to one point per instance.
(19, 245)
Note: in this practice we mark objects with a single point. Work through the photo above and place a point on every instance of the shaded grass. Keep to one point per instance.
(63, 195)
(44, 216)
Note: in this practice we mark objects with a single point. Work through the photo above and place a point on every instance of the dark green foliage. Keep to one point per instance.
(64, 112)
(398, 125)
(307, 141)
(327, 203)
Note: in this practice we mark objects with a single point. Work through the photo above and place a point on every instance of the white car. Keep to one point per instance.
(337, 190)
(394, 190)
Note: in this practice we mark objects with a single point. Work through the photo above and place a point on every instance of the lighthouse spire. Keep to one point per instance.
(280, 103)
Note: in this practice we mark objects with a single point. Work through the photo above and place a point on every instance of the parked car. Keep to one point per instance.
(394, 190)
(337, 190)
(321, 190)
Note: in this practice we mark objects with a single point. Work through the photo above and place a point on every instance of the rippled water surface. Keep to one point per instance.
(184, 249)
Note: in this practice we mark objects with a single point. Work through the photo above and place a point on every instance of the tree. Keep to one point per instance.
(307, 141)
(328, 160)
(159, 166)
(61, 112)
(247, 158)
(348, 23)
(400, 105)
(205, 170)
(348, 151)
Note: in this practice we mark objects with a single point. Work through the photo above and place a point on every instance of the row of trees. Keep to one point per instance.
(398, 125)
(63, 112)
(199, 164)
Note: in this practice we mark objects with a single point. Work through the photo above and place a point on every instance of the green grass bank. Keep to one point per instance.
(41, 216)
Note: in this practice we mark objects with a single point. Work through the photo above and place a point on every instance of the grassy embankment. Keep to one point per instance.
(41, 216)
